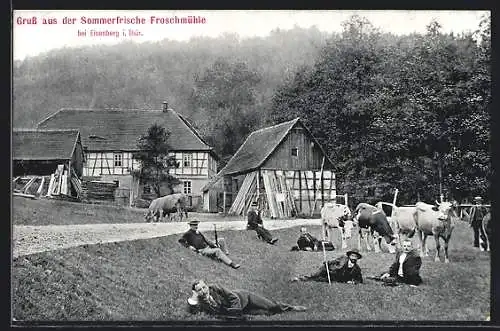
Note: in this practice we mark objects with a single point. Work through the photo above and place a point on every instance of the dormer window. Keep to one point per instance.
(295, 152)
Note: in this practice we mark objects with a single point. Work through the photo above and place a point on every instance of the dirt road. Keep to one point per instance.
(28, 239)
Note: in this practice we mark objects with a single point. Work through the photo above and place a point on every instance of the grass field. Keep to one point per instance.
(149, 280)
(58, 212)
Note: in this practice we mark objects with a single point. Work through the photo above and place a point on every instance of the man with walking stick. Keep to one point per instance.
(343, 269)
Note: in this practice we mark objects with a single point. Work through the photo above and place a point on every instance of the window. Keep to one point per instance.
(295, 151)
(118, 159)
(187, 187)
(187, 160)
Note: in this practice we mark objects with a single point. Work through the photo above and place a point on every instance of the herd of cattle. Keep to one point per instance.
(405, 221)
(422, 219)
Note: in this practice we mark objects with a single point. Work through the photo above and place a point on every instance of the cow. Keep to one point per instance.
(405, 225)
(173, 203)
(437, 221)
(372, 220)
(336, 216)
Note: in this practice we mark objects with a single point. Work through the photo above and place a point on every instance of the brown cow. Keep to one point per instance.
(173, 203)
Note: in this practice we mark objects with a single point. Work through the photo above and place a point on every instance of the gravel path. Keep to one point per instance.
(29, 239)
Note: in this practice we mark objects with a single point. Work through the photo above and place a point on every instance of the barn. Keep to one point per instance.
(47, 162)
(39, 152)
(282, 167)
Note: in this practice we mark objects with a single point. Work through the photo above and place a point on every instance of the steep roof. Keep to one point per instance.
(258, 146)
(29, 144)
(119, 129)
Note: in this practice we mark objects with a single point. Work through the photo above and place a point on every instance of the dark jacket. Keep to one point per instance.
(477, 214)
(339, 272)
(307, 240)
(411, 268)
(254, 220)
(227, 301)
(197, 240)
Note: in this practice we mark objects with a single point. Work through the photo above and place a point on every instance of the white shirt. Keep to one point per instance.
(402, 258)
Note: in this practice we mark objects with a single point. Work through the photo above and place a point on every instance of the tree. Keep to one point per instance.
(155, 159)
(225, 101)
(409, 112)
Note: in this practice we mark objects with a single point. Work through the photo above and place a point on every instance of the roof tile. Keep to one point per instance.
(29, 144)
(104, 129)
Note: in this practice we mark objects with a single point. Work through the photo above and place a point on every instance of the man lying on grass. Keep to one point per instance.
(344, 269)
(307, 242)
(405, 268)
(218, 300)
(197, 242)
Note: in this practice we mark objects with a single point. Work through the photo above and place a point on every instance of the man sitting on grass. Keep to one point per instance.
(405, 268)
(255, 223)
(344, 269)
(218, 300)
(196, 241)
(307, 242)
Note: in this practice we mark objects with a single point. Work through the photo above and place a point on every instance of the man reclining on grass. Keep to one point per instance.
(405, 268)
(344, 269)
(307, 242)
(196, 241)
(218, 300)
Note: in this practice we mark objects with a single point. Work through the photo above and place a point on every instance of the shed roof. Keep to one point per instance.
(119, 129)
(259, 145)
(30, 144)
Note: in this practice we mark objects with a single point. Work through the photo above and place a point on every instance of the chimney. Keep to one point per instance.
(165, 106)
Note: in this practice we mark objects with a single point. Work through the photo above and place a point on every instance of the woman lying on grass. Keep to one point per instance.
(218, 300)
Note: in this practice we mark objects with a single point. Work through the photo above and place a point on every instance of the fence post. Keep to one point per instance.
(224, 203)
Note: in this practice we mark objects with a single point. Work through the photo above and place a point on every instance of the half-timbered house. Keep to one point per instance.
(283, 167)
(110, 138)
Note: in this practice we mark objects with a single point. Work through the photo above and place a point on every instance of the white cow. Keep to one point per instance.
(436, 221)
(336, 216)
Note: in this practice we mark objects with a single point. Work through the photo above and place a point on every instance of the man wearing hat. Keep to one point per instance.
(344, 269)
(477, 213)
(255, 223)
(219, 300)
(196, 241)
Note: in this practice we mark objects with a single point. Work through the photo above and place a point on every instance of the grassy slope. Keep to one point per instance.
(150, 280)
(58, 212)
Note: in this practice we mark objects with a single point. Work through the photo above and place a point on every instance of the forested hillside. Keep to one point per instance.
(410, 111)
(131, 75)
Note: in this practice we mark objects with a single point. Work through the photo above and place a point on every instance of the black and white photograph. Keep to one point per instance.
(251, 166)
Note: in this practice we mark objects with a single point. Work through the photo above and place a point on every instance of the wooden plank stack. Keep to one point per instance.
(245, 195)
(99, 190)
(58, 184)
(279, 196)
